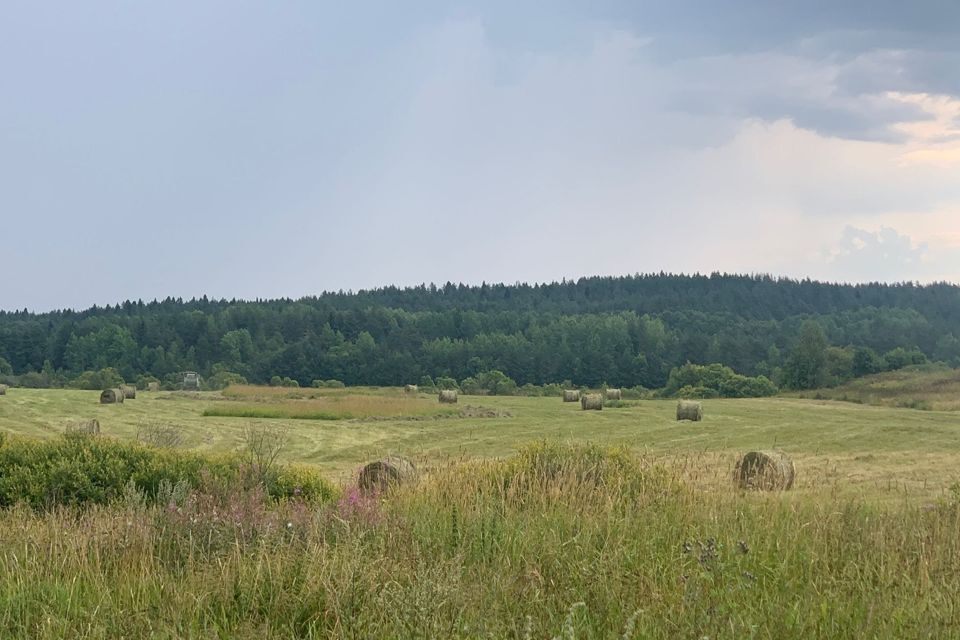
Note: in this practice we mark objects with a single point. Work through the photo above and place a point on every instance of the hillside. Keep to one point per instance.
(624, 331)
(929, 388)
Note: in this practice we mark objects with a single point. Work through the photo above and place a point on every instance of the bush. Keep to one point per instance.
(97, 380)
(553, 389)
(899, 358)
(78, 469)
(721, 381)
(530, 390)
(697, 392)
(444, 382)
(634, 393)
(471, 387)
(143, 381)
(222, 379)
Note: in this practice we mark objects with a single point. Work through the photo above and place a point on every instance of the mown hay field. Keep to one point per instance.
(618, 523)
(839, 447)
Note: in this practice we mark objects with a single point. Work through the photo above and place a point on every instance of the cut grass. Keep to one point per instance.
(843, 449)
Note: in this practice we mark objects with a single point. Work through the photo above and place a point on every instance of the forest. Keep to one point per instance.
(628, 331)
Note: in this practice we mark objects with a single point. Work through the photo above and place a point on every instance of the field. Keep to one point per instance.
(875, 452)
(928, 387)
(645, 538)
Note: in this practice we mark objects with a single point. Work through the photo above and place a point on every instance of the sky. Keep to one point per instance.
(279, 149)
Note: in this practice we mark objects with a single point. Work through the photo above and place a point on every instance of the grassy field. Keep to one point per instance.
(646, 539)
(839, 447)
(928, 387)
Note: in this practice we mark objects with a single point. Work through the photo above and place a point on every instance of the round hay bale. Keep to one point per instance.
(448, 396)
(381, 475)
(129, 391)
(153, 386)
(3, 389)
(85, 426)
(591, 402)
(765, 471)
(411, 388)
(614, 394)
(690, 410)
(111, 396)
(571, 395)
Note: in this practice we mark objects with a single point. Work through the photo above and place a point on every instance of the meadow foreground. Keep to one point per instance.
(637, 534)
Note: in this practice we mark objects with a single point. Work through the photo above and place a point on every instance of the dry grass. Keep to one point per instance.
(566, 541)
(324, 406)
(927, 388)
(262, 393)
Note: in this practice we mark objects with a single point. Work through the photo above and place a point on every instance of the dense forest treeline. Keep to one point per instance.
(624, 331)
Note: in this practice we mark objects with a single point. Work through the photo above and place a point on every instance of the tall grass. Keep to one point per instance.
(334, 408)
(569, 540)
(929, 388)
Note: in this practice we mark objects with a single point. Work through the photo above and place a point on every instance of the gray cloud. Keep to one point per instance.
(253, 151)
(880, 255)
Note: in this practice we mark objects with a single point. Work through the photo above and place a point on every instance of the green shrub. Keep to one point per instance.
(77, 469)
(96, 380)
(471, 387)
(530, 390)
(444, 382)
(697, 392)
(553, 389)
(722, 382)
(221, 378)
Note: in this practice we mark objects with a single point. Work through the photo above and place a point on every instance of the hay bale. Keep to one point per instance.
(448, 396)
(111, 396)
(571, 395)
(84, 426)
(378, 476)
(3, 389)
(411, 388)
(614, 394)
(153, 386)
(591, 402)
(129, 391)
(765, 471)
(690, 410)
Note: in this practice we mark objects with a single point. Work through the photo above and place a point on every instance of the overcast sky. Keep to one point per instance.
(266, 149)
